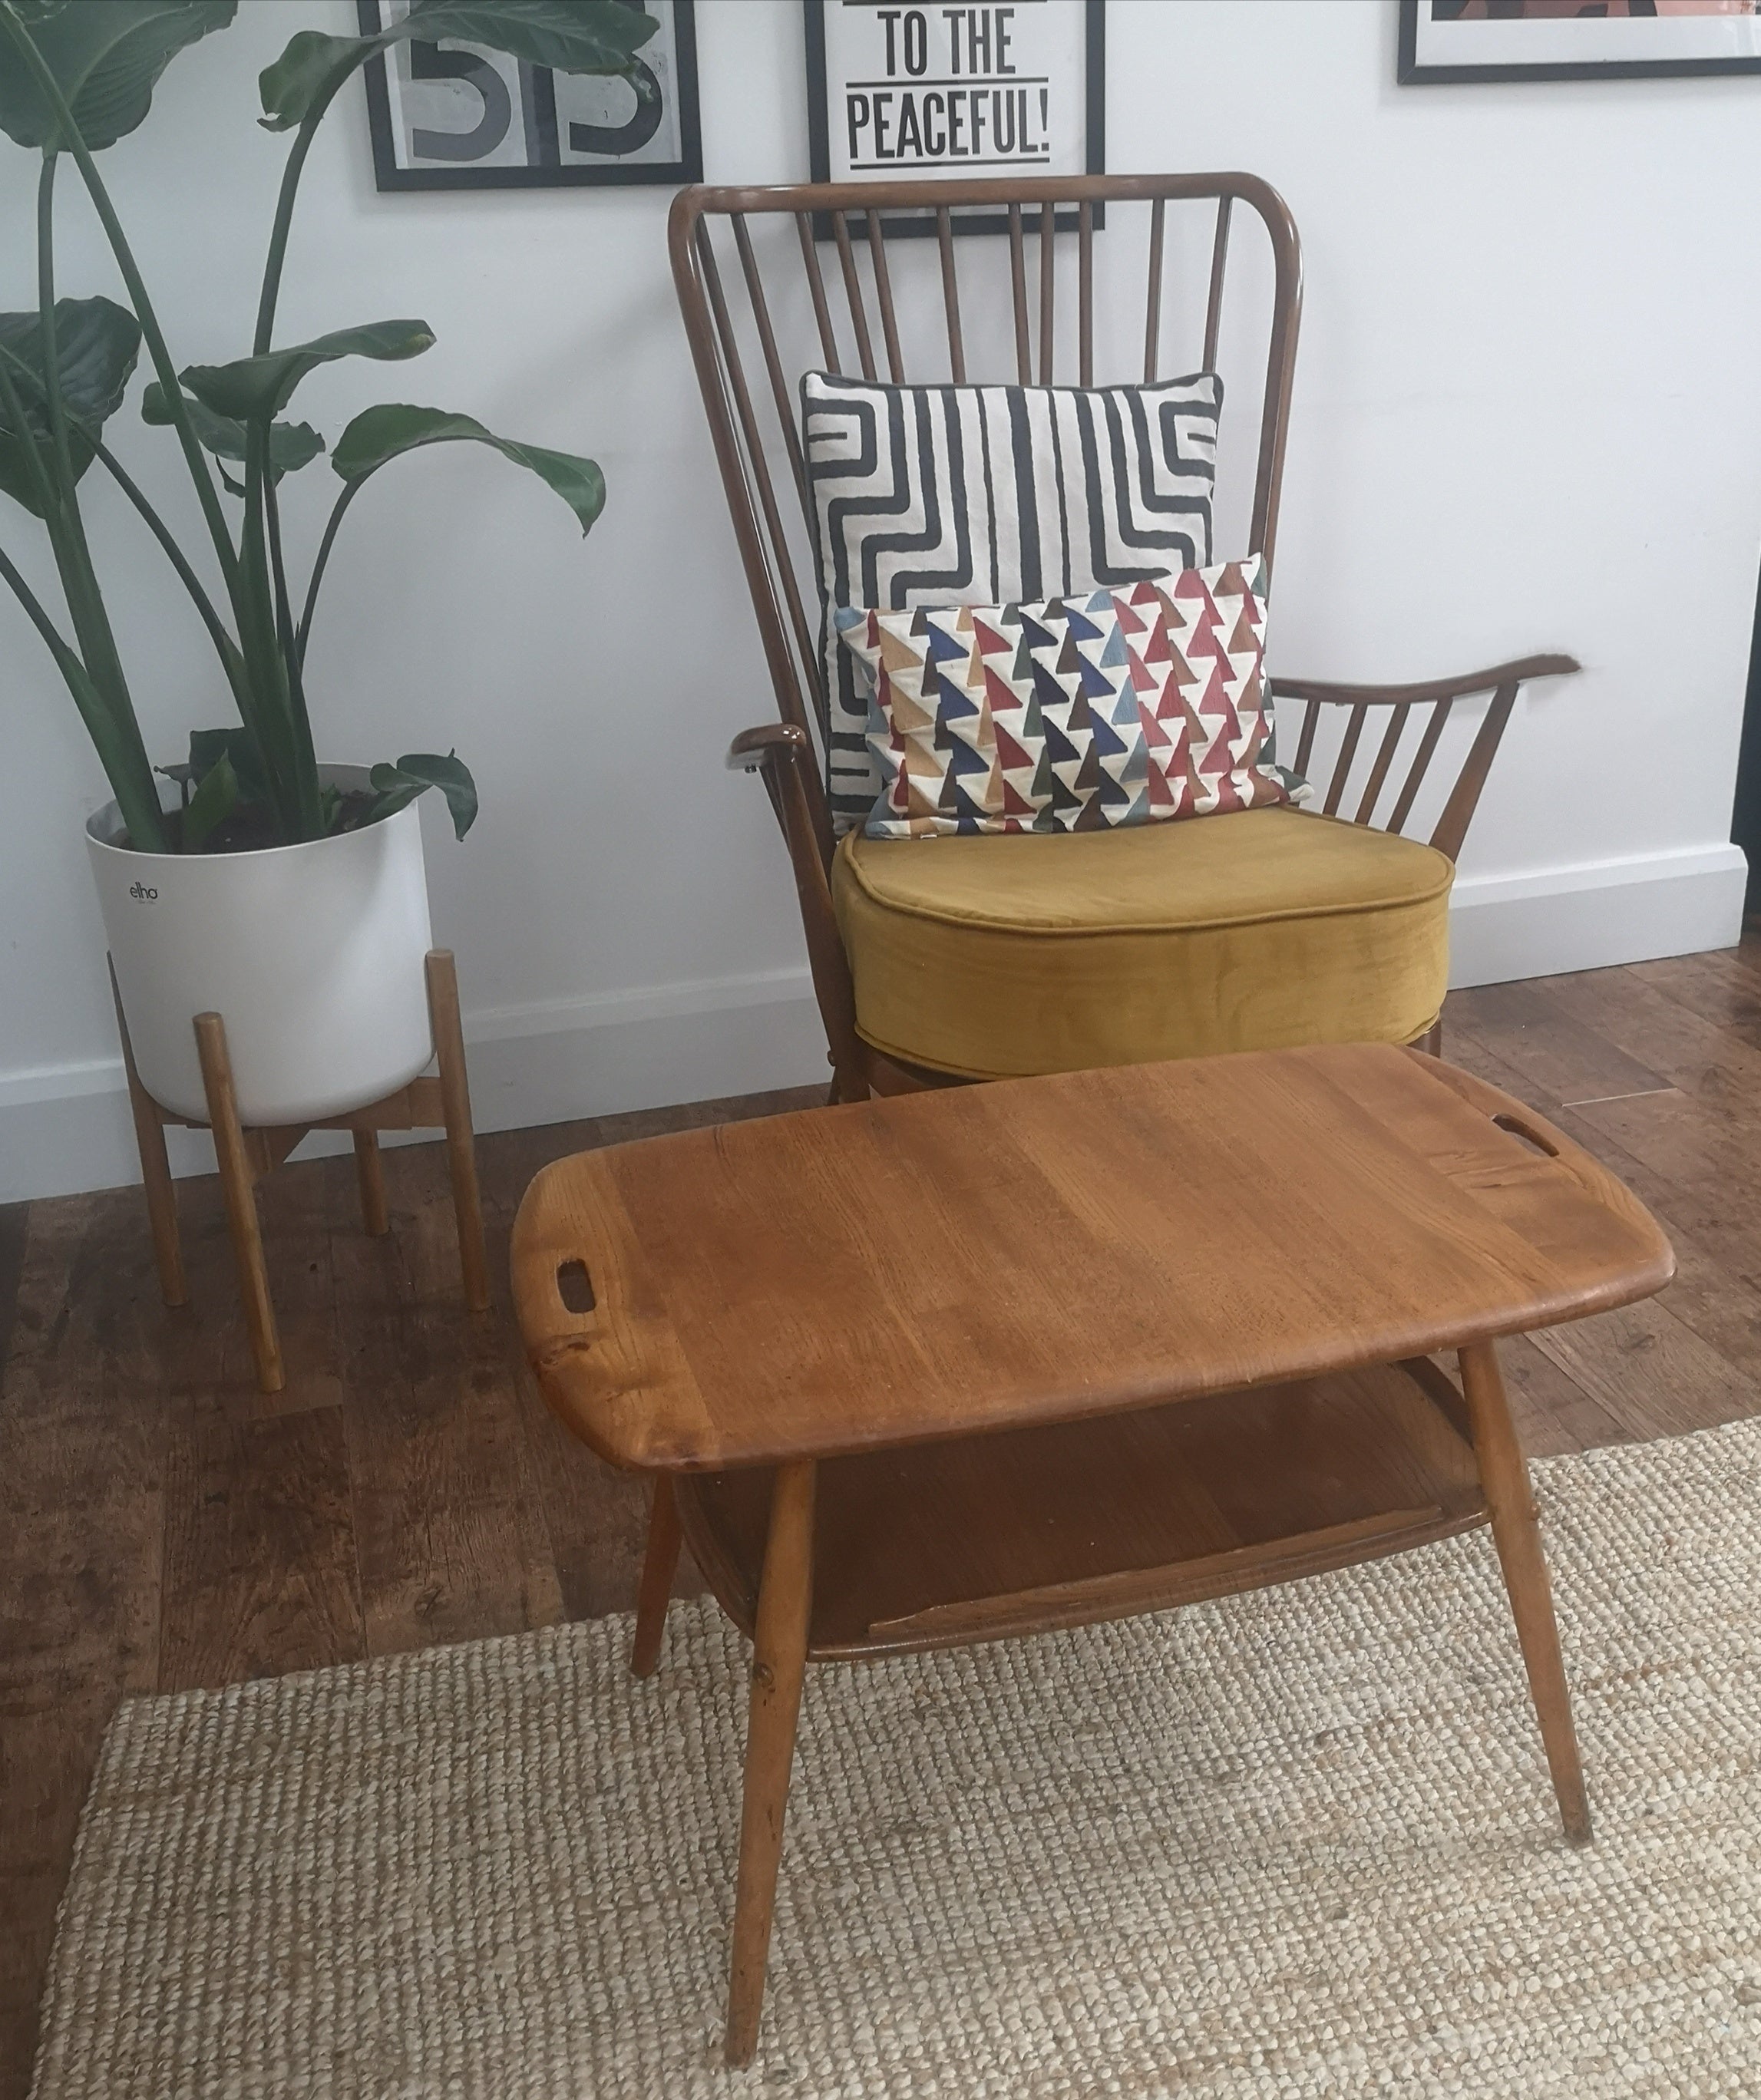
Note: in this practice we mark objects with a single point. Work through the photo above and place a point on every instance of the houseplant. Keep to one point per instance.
(249, 878)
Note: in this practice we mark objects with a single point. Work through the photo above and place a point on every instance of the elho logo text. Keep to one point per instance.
(140, 889)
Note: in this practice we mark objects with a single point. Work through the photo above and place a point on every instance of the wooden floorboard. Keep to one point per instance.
(83, 1445)
(162, 1524)
(14, 1218)
(259, 1575)
(448, 1525)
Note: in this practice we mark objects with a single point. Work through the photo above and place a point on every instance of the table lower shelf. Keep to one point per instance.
(977, 1537)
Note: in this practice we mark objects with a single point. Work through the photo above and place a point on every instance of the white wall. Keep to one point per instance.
(1525, 417)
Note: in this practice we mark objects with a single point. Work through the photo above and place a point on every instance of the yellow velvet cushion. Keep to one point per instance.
(998, 956)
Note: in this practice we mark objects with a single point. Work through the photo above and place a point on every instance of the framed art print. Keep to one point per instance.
(1482, 39)
(941, 92)
(456, 116)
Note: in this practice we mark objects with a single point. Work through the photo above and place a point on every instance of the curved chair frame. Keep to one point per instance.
(758, 445)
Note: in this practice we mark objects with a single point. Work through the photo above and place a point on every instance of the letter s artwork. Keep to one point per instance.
(450, 115)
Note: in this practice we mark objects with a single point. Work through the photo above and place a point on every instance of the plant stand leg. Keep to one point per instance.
(658, 1565)
(370, 1173)
(462, 1151)
(1516, 1531)
(156, 1171)
(237, 1181)
(779, 1657)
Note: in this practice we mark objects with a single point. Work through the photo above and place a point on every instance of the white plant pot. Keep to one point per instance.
(311, 955)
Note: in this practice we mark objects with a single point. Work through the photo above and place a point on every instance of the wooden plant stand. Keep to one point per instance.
(246, 1155)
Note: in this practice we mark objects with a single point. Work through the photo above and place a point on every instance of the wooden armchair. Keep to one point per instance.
(983, 957)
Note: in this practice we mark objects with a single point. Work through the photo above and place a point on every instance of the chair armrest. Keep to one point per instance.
(770, 744)
(1438, 694)
(1513, 673)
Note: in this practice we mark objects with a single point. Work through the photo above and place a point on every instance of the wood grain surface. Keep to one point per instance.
(983, 1258)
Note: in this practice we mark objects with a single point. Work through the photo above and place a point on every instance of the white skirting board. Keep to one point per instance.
(1594, 916)
(67, 1128)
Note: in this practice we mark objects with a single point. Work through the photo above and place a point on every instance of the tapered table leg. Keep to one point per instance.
(1516, 1531)
(369, 1176)
(461, 1150)
(155, 1170)
(658, 1565)
(779, 1657)
(237, 1183)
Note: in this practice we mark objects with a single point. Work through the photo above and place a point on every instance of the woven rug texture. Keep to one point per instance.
(1292, 1844)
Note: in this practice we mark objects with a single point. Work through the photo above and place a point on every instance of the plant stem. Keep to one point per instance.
(33, 605)
(283, 223)
(282, 732)
(306, 758)
(222, 642)
(260, 492)
(45, 320)
(277, 566)
(86, 614)
(342, 502)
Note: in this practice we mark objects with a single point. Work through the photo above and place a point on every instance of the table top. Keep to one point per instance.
(1031, 1250)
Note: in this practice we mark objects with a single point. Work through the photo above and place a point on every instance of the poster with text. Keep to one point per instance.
(449, 115)
(900, 92)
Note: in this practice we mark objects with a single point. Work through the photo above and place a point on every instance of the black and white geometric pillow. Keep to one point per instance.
(992, 495)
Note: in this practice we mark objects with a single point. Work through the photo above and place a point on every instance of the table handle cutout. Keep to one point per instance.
(1518, 1128)
(575, 1287)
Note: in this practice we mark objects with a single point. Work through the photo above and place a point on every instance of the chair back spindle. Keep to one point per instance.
(1152, 297)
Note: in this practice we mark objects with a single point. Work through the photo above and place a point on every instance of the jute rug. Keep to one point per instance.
(1295, 1844)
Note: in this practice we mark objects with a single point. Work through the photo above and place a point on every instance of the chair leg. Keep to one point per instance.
(237, 1183)
(779, 1657)
(369, 1176)
(1516, 1532)
(156, 1171)
(658, 1567)
(1432, 1041)
(462, 1151)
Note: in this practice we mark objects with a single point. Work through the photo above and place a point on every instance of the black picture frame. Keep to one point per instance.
(1409, 72)
(820, 141)
(389, 176)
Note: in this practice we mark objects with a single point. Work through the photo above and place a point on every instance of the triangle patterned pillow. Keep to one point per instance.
(1108, 707)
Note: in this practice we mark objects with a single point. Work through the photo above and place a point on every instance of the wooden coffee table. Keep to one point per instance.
(996, 1358)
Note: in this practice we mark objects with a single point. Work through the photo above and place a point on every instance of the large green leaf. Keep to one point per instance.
(570, 36)
(291, 445)
(257, 386)
(381, 433)
(106, 56)
(416, 771)
(96, 342)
